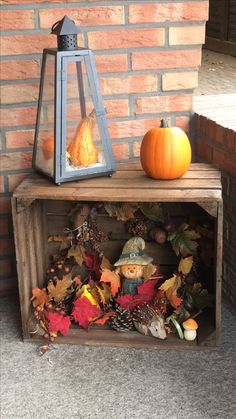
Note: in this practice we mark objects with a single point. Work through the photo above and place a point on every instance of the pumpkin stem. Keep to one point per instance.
(164, 123)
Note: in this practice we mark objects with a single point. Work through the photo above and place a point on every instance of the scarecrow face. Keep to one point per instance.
(132, 271)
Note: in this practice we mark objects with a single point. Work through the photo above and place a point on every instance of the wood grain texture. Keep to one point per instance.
(129, 184)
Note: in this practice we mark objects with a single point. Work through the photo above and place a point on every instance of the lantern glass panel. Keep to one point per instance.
(84, 148)
(45, 135)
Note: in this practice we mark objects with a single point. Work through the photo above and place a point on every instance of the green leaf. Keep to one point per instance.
(183, 240)
(153, 211)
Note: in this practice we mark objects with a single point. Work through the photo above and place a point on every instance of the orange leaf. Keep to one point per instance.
(113, 278)
(103, 320)
(173, 298)
(40, 297)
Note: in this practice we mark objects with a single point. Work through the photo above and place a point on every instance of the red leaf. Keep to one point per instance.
(84, 311)
(148, 289)
(58, 323)
(93, 263)
(129, 302)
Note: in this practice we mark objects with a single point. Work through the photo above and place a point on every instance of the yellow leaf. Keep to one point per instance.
(185, 265)
(86, 293)
(60, 289)
(174, 282)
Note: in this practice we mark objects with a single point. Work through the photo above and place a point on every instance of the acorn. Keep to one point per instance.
(158, 234)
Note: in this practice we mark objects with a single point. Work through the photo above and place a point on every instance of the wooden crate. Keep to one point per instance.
(40, 208)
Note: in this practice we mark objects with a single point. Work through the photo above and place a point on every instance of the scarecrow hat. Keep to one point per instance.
(132, 253)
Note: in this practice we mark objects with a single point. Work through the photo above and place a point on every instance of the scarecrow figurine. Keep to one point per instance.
(131, 264)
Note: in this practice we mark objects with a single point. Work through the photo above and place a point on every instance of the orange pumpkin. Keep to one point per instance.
(165, 152)
(48, 148)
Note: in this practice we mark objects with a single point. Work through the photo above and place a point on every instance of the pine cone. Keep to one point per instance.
(123, 322)
(136, 227)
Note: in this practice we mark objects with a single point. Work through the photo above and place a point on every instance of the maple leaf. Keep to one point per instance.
(153, 211)
(113, 278)
(77, 252)
(148, 289)
(84, 312)
(174, 281)
(129, 301)
(104, 291)
(102, 320)
(183, 240)
(170, 286)
(122, 212)
(59, 289)
(173, 298)
(185, 265)
(105, 264)
(40, 297)
(58, 323)
(93, 263)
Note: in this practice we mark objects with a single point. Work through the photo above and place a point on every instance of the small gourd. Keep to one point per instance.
(165, 152)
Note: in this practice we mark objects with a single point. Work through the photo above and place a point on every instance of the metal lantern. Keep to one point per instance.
(71, 138)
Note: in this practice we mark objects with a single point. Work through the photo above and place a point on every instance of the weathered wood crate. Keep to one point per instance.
(40, 209)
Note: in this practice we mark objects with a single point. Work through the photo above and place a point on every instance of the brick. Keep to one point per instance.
(183, 122)
(187, 35)
(19, 93)
(19, 139)
(132, 128)
(15, 161)
(5, 205)
(16, 19)
(155, 12)
(126, 38)
(120, 151)
(151, 60)
(5, 267)
(1, 184)
(116, 108)
(156, 104)
(18, 116)
(204, 151)
(6, 247)
(29, 44)
(177, 81)
(19, 69)
(136, 148)
(4, 227)
(225, 161)
(15, 180)
(45, 1)
(111, 63)
(129, 84)
(230, 139)
(85, 16)
(220, 133)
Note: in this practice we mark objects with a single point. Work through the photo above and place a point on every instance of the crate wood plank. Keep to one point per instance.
(136, 165)
(111, 338)
(23, 266)
(122, 194)
(218, 273)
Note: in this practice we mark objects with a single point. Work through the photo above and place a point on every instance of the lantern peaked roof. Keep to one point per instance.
(65, 26)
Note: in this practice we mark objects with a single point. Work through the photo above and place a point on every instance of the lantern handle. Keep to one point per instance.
(54, 25)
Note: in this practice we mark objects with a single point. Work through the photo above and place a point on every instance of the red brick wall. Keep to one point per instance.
(147, 54)
(217, 145)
